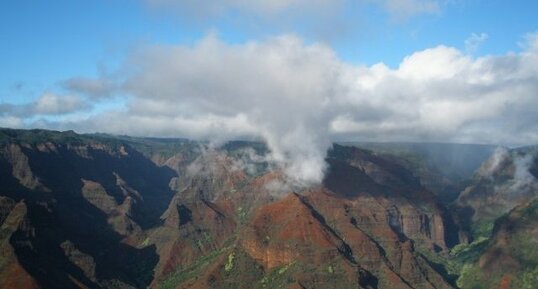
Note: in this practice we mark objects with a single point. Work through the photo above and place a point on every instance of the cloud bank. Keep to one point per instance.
(300, 97)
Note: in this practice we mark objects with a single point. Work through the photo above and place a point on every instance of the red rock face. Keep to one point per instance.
(288, 230)
(512, 247)
(20, 168)
(191, 231)
(104, 216)
(365, 228)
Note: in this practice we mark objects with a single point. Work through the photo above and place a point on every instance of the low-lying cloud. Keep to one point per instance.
(300, 97)
(523, 179)
(282, 91)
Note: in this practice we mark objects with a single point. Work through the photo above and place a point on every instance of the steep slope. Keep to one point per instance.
(510, 258)
(85, 199)
(98, 211)
(13, 220)
(289, 239)
(506, 180)
(443, 168)
(497, 212)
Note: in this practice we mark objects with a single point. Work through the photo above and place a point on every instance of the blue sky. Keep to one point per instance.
(45, 42)
(297, 74)
(279, 70)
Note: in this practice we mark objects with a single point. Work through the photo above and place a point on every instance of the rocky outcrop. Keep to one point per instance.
(85, 262)
(104, 215)
(13, 219)
(291, 230)
(379, 245)
(509, 258)
(506, 180)
(87, 203)
(20, 169)
(96, 195)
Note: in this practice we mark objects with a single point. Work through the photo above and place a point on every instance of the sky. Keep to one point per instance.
(288, 72)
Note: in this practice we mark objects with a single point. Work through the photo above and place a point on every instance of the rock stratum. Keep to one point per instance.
(99, 211)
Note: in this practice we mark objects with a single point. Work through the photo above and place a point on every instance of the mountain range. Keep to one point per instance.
(105, 211)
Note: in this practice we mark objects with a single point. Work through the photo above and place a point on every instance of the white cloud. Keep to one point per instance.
(473, 43)
(52, 104)
(437, 63)
(300, 97)
(94, 88)
(11, 122)
(46, 104)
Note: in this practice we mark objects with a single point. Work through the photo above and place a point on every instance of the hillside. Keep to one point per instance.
(443, 168)
(509, 258)
(96, 211)
(507, 179)
(103, 211)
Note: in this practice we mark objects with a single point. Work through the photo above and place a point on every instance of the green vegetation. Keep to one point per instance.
(519, 245)
(230, 264)
(312, 276)
(181, 276)
(530, 213)
(465, 258)
(37, 136)
(472, 277)
(527, 280)
(242, 214)
(163, 147)
(146, 242)
(482, 229)
(147, 146)
(451, 266)
(203, 241)
(524, 249)
(463, 248)
(469, 253)
(277, 278)
(284, 269)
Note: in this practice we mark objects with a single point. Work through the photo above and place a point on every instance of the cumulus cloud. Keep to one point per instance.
(300, 97)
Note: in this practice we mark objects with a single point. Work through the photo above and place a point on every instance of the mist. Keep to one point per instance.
(300, 97)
